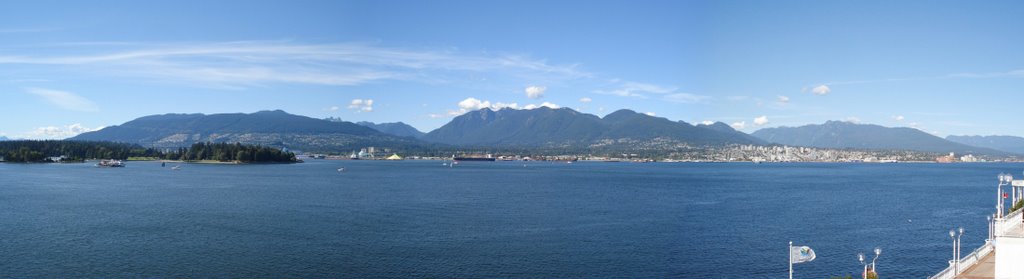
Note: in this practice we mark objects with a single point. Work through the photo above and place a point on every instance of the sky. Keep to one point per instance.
(944, 67)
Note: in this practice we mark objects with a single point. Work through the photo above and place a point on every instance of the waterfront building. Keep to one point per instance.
(946, 159)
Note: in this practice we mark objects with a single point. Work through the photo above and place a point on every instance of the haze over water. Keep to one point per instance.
(538, 219)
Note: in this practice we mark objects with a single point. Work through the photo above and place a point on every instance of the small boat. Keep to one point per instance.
(341, 169)
(177, 167)
(111, 163)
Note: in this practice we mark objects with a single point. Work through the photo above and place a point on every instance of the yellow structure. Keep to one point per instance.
(394, 157)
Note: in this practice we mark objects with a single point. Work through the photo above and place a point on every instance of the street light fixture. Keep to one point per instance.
(878, 252)
(952, 236)
(1004, 179)
(989, 218)
(860, 257)
(958, 243)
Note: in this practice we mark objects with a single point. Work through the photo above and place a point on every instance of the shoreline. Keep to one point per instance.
(214, 162)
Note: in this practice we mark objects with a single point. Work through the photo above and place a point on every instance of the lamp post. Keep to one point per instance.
(958, 247)
(1009, 181)
(878, 252)
(1004, 179)
(860, 257)
(989, 218)
(999, 195)
(955, 263)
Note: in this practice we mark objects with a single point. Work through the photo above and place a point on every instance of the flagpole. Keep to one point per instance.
(790, 252)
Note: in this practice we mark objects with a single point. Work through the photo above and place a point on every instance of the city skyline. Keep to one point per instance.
(946, 67)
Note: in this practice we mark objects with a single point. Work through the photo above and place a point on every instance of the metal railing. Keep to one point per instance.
(965, 263)
(1005, 224)
(1002, 227)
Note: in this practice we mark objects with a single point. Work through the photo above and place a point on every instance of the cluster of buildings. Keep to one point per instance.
(758, 154)
(736, 153)
(367, 153)
(951, 158)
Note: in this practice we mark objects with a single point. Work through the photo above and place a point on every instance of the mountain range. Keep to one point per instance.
(271, 128)
(564, 127)
(840, 134)
(1010, 144)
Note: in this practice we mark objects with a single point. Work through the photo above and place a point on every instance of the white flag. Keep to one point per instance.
(800, 254)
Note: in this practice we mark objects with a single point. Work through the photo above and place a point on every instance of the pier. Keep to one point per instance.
(1003, 251)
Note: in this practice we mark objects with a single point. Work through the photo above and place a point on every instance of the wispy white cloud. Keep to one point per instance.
(1019, 73)
(544, 104)
(535, 92)
(739, 125)
(1013, 74)
(783, 99)
(651, 113)
(360, 105)
(761, 120)
(64, 99)
(58, 132)
(899, 118)
(586, 100)
(24, 80)
(852, 119)
(245, 64)
(635, 89)
(821, 90)
(471, 104)
(27, 30)
(686, 98)
(645, 90)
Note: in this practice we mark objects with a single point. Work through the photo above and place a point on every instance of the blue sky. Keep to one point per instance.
(945, 67)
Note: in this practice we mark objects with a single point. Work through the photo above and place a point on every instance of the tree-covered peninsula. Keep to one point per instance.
(231, 152)
(41, 151)
(34, 151)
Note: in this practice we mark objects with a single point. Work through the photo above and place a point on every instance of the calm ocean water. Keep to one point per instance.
(419, 219)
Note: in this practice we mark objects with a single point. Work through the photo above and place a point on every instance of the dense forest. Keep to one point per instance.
(230, 152)
(41, 151)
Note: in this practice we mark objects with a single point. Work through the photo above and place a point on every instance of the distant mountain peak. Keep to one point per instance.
(621, 112)
(566, 127)
(1010, 144)
(622, 115)
(843, 134)
(270, 128)
(276, 111)
(721, 126)
(395, 128)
